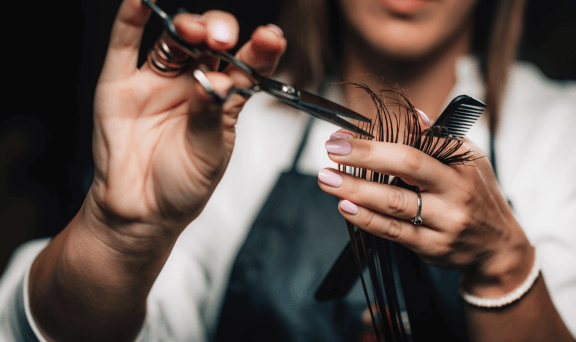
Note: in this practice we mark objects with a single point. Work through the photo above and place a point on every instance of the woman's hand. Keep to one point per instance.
(467, 223)
(160, 148)
(160, 145)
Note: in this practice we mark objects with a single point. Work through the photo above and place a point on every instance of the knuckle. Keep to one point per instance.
(467, 145)
(413, 159)
(441, 250)
(363, 150)
(353, 187)
(397, 202)
(369, 220)
(462, 220)
(467, 194)
(394, 229)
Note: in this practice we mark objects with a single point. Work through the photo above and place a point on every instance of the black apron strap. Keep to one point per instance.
(302, 144)
(493, 155)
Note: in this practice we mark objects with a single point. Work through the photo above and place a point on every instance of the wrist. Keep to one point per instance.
(510, 297)
(503, 272)
(78, 281)
(137, 236)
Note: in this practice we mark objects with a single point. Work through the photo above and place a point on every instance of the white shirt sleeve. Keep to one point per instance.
(16, 321)
(535, 150)
(14, 310)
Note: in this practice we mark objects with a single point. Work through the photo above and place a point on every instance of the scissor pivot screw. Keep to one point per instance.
(288, 89)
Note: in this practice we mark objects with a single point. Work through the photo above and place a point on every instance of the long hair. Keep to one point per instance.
(313, 48)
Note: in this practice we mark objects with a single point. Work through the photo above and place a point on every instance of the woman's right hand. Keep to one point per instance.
(160, 148)
(160, 145)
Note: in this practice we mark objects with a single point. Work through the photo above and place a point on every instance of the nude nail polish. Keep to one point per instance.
(330, 178)
(221, 32)
(339, 147)
(424, 117)
(337, 135)
(349, 207)
(276, 29)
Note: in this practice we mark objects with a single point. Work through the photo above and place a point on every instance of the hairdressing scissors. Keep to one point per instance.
(297, 98)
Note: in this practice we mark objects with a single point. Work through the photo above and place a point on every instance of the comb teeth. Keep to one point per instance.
(459, 116)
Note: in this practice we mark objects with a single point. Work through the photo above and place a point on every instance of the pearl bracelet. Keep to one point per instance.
(509, 298)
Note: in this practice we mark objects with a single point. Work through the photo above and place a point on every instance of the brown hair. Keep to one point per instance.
(312, 49)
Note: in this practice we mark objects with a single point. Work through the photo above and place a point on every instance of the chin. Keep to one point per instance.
(407, 36)
(400, 42)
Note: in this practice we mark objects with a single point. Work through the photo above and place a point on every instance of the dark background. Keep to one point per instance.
(52, 56)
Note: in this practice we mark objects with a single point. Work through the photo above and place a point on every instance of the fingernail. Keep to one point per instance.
(335, 136)
(349, 207)
(197, 17)
(424, 117)
(221, 32)
(276, 29)
(330, 178)
(339, 147)
(224, 92)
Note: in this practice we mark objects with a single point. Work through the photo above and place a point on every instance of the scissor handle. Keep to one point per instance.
(312, 104)
(201, 49)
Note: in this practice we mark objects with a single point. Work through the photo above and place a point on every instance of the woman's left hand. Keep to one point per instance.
(467, 222)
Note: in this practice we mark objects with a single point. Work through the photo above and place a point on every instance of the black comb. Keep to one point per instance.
(460, 114)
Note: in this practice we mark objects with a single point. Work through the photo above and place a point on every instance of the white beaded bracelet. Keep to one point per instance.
(509, 298)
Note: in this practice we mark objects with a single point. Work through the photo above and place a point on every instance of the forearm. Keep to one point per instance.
(532, 318)
(83, 289)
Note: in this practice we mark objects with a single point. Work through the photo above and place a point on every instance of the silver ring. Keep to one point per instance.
(165, 60)
(417, 220)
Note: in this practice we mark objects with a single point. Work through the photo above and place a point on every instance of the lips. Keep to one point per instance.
(405, 7)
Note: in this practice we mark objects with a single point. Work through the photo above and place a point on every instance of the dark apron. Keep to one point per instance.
(292, 244)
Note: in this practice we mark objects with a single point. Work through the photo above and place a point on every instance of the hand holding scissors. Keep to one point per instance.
(160, 145)
(298, 98)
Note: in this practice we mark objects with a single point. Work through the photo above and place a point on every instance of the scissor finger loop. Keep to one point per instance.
(200, 76)
(205, 83)
(297, 98)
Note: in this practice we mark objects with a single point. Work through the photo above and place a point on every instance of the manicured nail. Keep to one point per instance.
(349, 207)
(275, 29)
(424, 117)
(330, 178)
(221, 32)
(335, 136)
(339, 147)
(224, 92)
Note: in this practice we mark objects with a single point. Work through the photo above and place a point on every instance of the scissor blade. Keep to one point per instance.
(338, 121)
(313, 104)
(320, 103)
(304, 98)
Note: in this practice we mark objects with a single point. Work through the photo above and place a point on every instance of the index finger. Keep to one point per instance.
(412, 165)
(122, 55)
(262, 53)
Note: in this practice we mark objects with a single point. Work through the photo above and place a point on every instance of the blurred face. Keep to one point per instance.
(408, 28)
